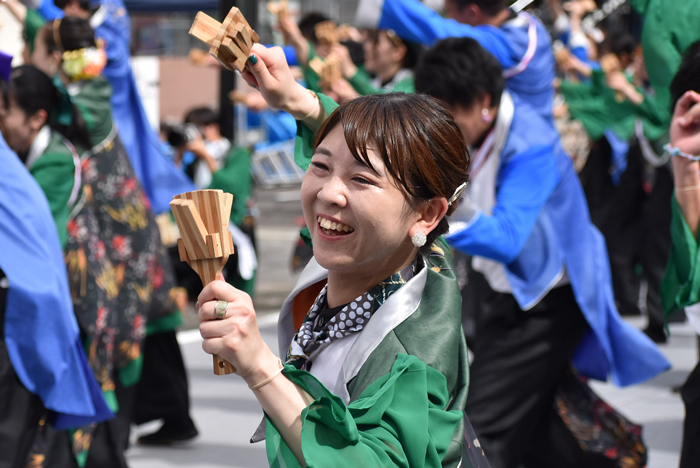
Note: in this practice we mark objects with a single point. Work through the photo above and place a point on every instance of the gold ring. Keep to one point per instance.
(220, 309)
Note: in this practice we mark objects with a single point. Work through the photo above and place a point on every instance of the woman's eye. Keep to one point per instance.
(321, 166)
(363, 181)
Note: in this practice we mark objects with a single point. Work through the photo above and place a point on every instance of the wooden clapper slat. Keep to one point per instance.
(205, 242)
(230, 42)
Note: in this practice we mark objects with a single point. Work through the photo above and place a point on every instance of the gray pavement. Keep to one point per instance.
(227, 414)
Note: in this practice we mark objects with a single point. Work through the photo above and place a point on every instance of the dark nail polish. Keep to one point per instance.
(253, 59)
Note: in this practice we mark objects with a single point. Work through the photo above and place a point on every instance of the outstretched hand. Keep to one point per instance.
(685, 125)
(268, 71)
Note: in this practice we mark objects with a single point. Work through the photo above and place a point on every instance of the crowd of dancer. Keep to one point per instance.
(484, 178)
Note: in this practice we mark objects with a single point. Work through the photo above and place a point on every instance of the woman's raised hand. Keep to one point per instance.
(235, 337)
(685, 125)
(268, 71)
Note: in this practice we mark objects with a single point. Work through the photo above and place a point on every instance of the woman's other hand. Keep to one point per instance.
(347, 67)
(236, 336)
(341, 92)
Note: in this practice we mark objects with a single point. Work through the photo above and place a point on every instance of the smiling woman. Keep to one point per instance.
(376, 369)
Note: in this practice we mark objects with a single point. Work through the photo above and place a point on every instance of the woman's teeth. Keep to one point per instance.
(332, 228)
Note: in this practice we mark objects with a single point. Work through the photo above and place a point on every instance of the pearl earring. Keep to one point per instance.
(419, 239)
(485, 116)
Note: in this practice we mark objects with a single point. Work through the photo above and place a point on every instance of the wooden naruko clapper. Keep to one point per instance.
(205, 242)
(230, 42)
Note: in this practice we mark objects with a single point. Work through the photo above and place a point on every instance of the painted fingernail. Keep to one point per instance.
(253, 59)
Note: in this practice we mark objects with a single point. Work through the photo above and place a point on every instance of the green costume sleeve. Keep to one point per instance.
(362, 83)
(235, 179)
(405, 86)
(32, 23)
(303, 149)
(681, 285)
(55, 174)
(400, 420)
(312, 80)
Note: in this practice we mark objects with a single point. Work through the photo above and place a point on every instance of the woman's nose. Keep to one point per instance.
(333, 192)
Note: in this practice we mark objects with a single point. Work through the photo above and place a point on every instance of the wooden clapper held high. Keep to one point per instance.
(230, 42)
(205, 242)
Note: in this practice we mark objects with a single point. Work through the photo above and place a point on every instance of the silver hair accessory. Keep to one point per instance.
(457, 193)
(419, 239)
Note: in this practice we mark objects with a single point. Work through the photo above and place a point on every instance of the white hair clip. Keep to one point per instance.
(457, 193)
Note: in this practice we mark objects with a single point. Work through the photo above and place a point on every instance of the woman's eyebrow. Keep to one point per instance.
(323, 151)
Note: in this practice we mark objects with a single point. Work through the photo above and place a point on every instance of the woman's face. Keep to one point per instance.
(42, 59)
(18, 129)
(358, 219)
(381, 55)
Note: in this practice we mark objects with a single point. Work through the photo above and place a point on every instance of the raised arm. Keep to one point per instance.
(268, 71)
(502, 235)
(413, 21)
(17, 9)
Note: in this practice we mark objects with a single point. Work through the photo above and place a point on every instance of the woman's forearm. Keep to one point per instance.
(283, 403)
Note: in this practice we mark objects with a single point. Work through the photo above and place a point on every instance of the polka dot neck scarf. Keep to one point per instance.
(324, 325)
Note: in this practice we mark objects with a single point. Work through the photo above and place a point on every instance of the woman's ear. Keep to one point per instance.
(38, 120)
(430, 214)
(400, 53)
(56, 59)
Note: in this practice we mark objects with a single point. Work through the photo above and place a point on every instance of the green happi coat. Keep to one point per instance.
(401, 390)
(53, 161)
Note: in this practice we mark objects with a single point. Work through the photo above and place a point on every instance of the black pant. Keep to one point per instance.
(690, 453)
(163, 392)
(519, 357)
(20, 410)
(111, 438)
(635, 218)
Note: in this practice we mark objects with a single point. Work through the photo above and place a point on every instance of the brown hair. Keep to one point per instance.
(70, 33)
(417, 139)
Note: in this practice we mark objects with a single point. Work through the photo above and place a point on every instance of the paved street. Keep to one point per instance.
(227, 414)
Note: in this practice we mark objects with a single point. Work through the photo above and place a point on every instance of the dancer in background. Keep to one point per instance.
(160, 179)
(44, 374)
(519, 41)
(544, 294)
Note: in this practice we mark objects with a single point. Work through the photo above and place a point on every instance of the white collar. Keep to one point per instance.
(39, 145)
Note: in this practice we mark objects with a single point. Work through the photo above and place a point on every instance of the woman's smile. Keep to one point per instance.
(331, 227)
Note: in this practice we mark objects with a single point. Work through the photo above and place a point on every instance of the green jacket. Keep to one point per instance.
(681, 285)
(670, 27)
(235, 179)
(401, 83)
(401, 391)
(54, 169)
(92, 98)
(596, 106)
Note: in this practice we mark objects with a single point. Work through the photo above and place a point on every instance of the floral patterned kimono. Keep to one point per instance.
(119, 273)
